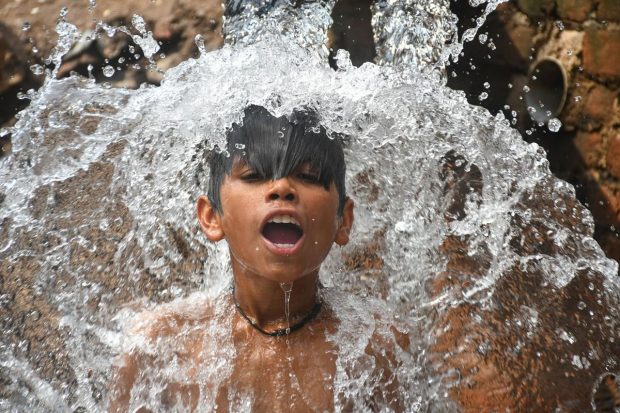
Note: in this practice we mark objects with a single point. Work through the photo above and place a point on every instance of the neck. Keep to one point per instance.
(263, 300)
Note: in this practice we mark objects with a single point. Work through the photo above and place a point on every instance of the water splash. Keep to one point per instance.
(461, 231)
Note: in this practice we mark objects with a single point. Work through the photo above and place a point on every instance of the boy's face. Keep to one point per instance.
(278, 229)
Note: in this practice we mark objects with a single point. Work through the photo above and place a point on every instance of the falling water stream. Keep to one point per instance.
(463, 240)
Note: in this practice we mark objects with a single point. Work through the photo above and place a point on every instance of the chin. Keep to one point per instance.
(286, 275)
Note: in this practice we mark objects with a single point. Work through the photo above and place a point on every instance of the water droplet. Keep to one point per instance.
(569, 52)
(200, 43)
(280, 134)
(577, 98)
(554, 124)
(483, 96)
(526, 88)
(239, 146)
(37, 69)
(121, 59)
(482, 38)
(509, 85)
(486, 85)
(492, 45)
(139, 24)
(108, 71)
(559, 24)
(26, 26)
(581, 305)
(63, 12)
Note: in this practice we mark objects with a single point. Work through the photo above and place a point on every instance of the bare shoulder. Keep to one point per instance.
(171, 319)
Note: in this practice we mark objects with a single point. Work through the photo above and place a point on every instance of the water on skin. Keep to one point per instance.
(455, 213)
(287, 288)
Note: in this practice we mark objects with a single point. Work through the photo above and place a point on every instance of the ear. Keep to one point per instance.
(209, 219)
(345, 223)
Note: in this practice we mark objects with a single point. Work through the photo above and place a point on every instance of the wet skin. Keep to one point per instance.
(258, 265)
(292, 373)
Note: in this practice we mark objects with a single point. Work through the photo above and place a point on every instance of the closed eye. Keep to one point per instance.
(251, 176)
(309, 177)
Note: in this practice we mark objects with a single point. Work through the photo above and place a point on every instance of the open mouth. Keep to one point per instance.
(283, 231)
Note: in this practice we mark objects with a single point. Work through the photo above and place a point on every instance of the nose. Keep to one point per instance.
(281, 189)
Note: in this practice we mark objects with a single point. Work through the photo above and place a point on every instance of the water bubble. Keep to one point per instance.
(138, 22)
(108, 71)
(531, 109)
(200, 43)
(509, 85)
(486, 85)
(37, 69)
(63, 12)
(482, 38)
(554, 124)
(581, 305)
(483, 96)
(121, 59)
(506, 107)
(239, 146)
(559, 24)
(569, 52)
(26, 26)
(526, 88)
(577, 98)
(492, 45)
(104, 224)
(343, 60)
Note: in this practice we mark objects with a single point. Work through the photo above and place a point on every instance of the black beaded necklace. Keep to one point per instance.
(280, 331)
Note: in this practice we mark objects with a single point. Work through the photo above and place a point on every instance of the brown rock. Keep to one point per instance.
(575, 10)
(599, 103)
(601, 53)
(613, 156)
(12, 72)
(608, 10)
(535, 8)
(603, 204)
(589, 147)
(162, 30)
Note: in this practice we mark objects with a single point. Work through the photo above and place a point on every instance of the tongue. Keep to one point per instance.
(282, 233)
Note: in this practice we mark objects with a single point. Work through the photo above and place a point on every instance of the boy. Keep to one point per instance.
(271, 344)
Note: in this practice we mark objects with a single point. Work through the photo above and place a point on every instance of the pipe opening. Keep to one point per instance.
(547, 94)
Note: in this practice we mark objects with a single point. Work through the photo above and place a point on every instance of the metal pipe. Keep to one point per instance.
(548, 85)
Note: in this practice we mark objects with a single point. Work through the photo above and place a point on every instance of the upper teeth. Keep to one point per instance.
(284, 219)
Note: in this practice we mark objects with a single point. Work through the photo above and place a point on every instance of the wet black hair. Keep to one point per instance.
(274, 147)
